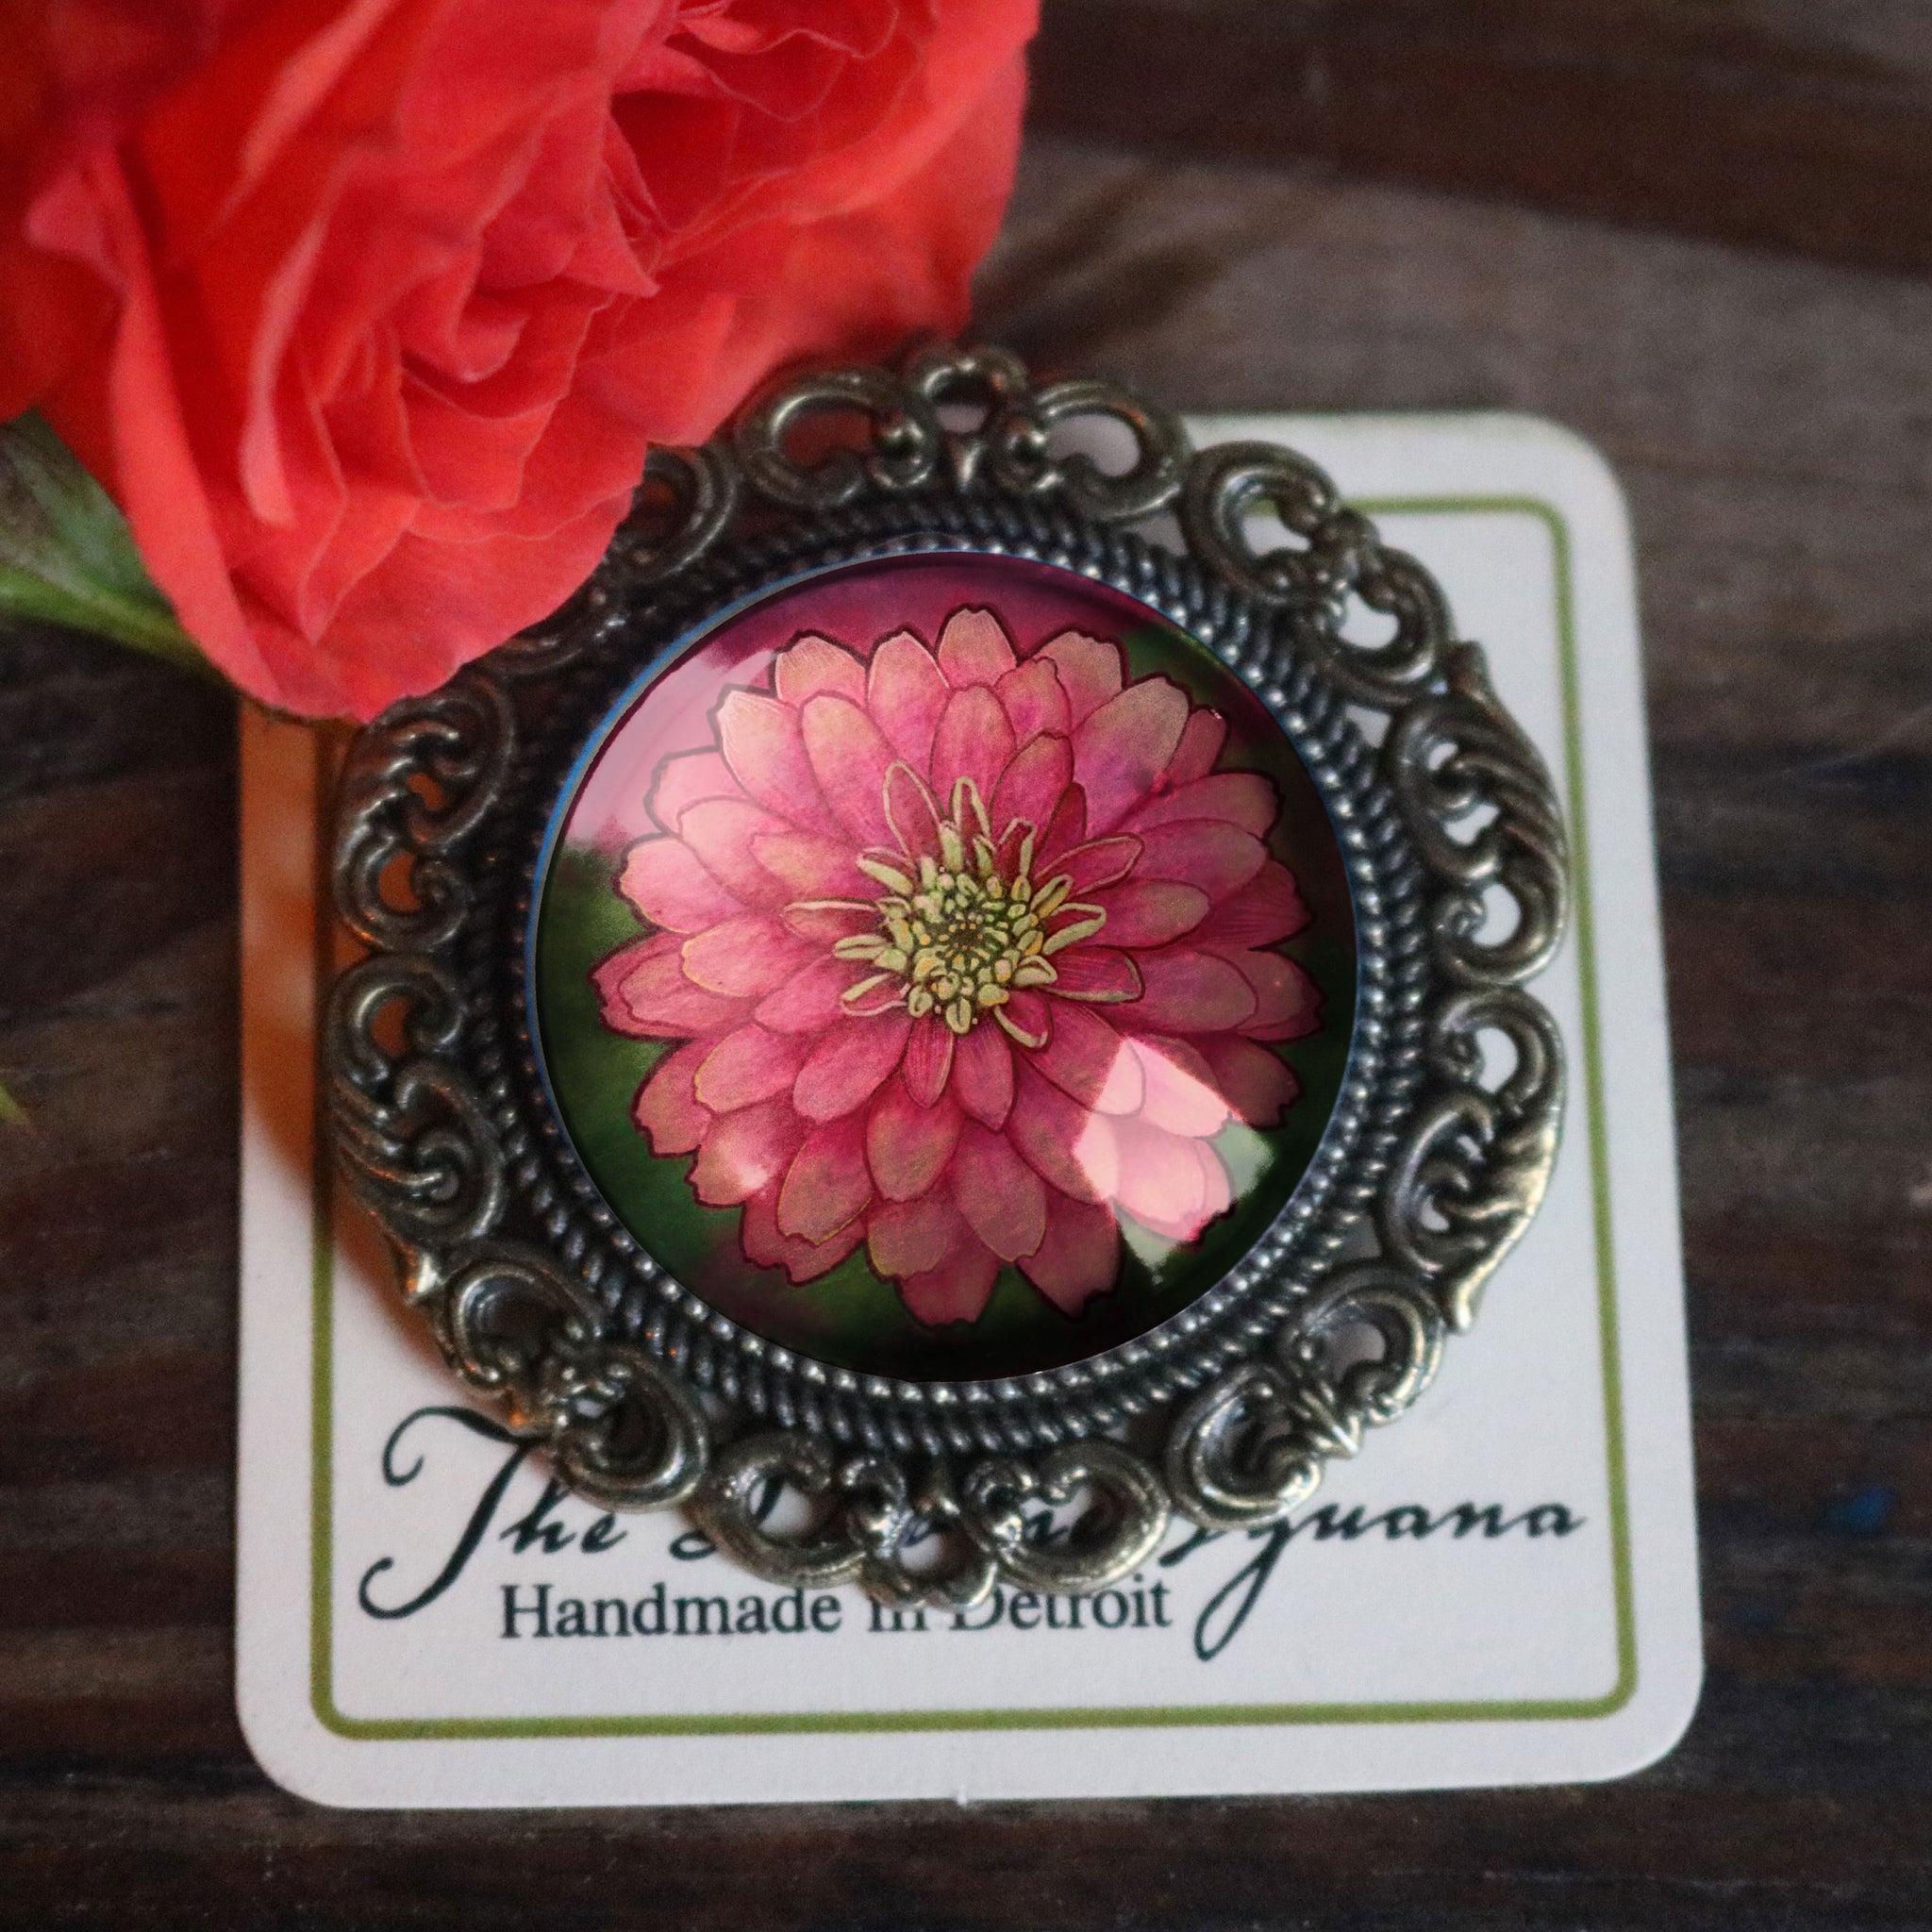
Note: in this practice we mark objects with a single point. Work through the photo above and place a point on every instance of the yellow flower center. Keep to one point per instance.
(959, 934)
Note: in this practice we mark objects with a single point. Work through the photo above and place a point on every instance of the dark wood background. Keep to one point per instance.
(1699, 231)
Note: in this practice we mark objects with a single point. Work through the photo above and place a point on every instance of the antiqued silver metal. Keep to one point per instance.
(928, 1494)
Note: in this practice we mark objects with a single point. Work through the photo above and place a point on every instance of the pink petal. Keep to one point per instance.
(665, 881)
(826, 924)
(1088, 1060)
(643, 990)
(685, 779)
(983, 1076)
(1200, 745)
(827, 1183)
(1064, 831)
(850, 758)
(1169, 1183)
(1208, 853)
(1099, 863)
(905, 691)
(745, 1151)
(1287, 1003)
(1089, 668)
(745, 958)
(811, 1000)
(746, 1066)
(667, 1109)
(1080, 1255)
(974, 742)
(759, 1234)
(1256, 1084)
(1035, 700)
(815, 664)
(974, 649)
(928, 1060)
(1192, 992)
(1149, 912)
(958, 1288)
(1032, 784)
(1269, 909)
(1096, 972)
(912, 813)
(1063, 1140)
(907, 1145)
(1181, 1094)
(1246, 799)
(910, 1237)
(810, 865)
(1124, 747)
(764, 745)
(999, 1195)
(1028, 1013)
(848, 1065)
(724, 833)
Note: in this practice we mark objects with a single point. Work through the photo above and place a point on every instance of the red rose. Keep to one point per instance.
(366, 310)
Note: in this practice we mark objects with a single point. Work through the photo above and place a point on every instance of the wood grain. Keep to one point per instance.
(1772, 421)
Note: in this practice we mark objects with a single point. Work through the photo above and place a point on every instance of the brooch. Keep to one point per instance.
(935, 1028)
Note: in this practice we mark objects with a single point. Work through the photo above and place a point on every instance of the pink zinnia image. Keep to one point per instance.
(967, 949)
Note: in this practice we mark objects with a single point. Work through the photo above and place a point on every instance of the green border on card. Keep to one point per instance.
(322, 1690)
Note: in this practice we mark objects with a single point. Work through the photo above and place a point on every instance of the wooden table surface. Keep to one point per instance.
(1698, 231)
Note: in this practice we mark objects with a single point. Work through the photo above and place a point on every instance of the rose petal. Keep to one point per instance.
(1246, 799)
(907, 1145)
(810, 865)
(1091, 1062)
(815, 664)
(974, 649)
(910, 1237)
(827, 1183)
(665, 880)
(743, 1151)
(999, 1195)
(667, 1107)
(1180, 1092)
(1089, 668)
(1035, 700)
(1217, 857)
(958, 1288)
(764, 744)
(1192, 992)
(745, 958)
(642, 991)
(1098, 974)
(1150, 912)
(850, 758)
(1124, 747)
(1079, 1258)
(983, 1076)
(746, 1066)
(811, 1000)
(1268, 909)
(1287, 1003)
(724, 833)
(1061, 1140)
(905, 691)
(802, 1260)
(973, 741)
(685, 779)
(1200, 745)
(848, 1065)
(1032, 784)
(1256, 1084)
(929, 1051)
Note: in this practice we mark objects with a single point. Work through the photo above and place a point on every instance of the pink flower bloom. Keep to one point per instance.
(968, 952)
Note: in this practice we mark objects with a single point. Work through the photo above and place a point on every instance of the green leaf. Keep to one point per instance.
(11, 1113)
(66, 555)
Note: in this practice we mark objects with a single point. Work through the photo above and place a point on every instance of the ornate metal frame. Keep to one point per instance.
(1433, 1164)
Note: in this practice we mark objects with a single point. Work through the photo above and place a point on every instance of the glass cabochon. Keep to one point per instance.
(944, 966)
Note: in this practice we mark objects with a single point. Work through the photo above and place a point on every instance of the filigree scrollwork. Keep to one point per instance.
(943, 1542)
(902, 452)
(1449, 759)
(1251, 1447)
(1475, 1164)
(414, 788)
